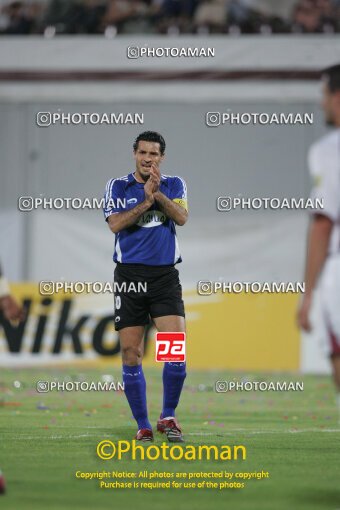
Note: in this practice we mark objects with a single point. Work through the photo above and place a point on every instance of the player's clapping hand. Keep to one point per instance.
(149, 189)
(11, 309)
(155, 175)
(152, 184)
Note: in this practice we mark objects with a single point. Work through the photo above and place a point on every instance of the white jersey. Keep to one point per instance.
(324, 165)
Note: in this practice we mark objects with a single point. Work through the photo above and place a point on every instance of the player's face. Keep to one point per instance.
(147, 153)
(330, 105)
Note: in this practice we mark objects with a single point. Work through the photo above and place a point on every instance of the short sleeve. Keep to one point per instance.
(179, 192)
(324, 166)
(114, 198)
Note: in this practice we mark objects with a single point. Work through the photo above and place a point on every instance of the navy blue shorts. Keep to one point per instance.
(144, 291)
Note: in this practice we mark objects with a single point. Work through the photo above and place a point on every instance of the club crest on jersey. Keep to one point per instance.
(151, 219)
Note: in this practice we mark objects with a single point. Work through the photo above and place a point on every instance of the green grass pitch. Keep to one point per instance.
(45, 438)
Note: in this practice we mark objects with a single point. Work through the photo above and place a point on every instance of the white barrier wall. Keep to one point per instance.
(231, 160)
(97, 53)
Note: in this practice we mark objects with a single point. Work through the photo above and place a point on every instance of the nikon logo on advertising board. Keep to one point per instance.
(79, 328)
(59, 327)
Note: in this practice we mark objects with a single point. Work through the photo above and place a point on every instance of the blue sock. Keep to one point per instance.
(173, 379)
(135, 391)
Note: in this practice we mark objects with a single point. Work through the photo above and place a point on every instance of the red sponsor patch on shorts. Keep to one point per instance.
(170, 346)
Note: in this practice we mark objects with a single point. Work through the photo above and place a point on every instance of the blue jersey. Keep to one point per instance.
(152, 240)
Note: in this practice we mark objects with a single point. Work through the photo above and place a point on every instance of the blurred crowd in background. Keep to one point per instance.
(111, 17)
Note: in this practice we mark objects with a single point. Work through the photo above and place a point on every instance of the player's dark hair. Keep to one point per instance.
(150, 136)
(332, 77)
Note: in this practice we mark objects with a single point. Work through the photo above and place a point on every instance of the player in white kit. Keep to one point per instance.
(323, 247)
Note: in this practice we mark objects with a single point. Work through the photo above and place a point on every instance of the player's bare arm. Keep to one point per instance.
(125, 219)
(120, 221)
(173, 210)
(12, 310)
(317, 250)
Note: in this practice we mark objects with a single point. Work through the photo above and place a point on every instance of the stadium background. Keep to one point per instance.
(248, 74)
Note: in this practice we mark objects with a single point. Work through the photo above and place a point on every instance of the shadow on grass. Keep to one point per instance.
(320, 498)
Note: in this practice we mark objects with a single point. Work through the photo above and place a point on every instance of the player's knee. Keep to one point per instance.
(132, 355)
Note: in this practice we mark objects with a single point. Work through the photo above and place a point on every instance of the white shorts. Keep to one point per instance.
(330, 300)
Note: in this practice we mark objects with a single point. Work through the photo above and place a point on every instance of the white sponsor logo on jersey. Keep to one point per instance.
(151, 219)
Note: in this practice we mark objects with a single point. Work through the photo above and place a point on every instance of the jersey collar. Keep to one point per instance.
(132, 180)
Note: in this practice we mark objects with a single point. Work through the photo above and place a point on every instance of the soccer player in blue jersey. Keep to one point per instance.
(142, 210)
